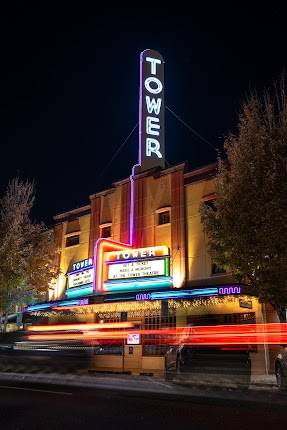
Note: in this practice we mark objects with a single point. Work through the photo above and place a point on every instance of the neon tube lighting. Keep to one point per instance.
(184, 294)
(41, 306)
(135, 286)
(132, 260)
(103, 245)
(38, 307)
(79, 291)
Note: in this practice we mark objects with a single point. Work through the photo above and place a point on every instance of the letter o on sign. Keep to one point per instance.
(157, 82)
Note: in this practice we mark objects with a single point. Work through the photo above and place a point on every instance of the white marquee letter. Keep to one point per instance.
(152, 145)
(151, 127)
(157, 82)
(154, 62)
(153, 105)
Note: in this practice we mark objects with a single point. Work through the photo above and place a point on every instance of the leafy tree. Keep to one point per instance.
(27, 251)
(247, 227)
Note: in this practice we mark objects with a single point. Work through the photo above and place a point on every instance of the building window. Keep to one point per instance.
(73, 226)
(216, 269)
(73, 240)
(222, 319)
(163, 217)
(156, 344)
(106, 231)
(210, 204)
(209, 200)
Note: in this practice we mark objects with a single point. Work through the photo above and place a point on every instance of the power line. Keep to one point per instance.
(118, 150)
(131, 132)
(191, 129)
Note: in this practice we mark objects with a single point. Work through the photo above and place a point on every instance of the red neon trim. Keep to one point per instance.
(102, 246)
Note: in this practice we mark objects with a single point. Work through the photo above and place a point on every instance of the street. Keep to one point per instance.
(30, 405)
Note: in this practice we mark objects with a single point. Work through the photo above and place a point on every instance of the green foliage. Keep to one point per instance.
(247, 231)
(27, 251)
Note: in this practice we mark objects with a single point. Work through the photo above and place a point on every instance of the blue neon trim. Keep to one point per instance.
(79, 291)
(184, 294)
(38, 307)
(138, 284)
(67, 303)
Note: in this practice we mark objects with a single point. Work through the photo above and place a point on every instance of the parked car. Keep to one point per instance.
(281, 368)
(215, 365)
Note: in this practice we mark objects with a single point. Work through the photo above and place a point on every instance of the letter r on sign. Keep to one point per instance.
(152, 145)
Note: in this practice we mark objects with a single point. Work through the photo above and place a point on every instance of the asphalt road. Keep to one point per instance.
(45, 406)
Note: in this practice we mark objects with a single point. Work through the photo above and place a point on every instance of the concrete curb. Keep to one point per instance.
(146, 386)
(95, 379)
(94, 375)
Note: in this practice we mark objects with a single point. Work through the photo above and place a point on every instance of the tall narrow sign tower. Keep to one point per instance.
(151, 111)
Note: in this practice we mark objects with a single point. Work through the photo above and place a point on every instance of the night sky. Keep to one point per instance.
(69, 89)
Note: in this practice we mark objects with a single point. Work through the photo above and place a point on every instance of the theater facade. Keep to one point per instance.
(137, 251)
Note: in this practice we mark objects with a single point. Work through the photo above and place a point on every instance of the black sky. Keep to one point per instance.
(69, 89)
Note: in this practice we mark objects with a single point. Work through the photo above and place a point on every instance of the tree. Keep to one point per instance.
(27, 251)
(247, 228)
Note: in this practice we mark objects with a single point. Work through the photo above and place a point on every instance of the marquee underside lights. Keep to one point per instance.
(135, 289)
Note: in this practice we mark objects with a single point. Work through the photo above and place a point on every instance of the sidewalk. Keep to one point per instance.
(264, 381)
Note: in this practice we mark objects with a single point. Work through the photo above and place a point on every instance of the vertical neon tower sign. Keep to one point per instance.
(151, 111)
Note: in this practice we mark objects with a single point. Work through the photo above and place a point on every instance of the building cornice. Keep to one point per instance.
(83, 210)
(101, 193)
(200, 174)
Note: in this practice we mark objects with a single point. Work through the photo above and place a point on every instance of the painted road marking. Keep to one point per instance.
(161, 383)
(37, 390)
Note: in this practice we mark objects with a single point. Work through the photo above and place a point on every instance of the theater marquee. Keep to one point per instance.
(141, 268)
(80, 279)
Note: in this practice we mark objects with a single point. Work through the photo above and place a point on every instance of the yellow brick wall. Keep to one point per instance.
(198, 260)
(71, 254)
